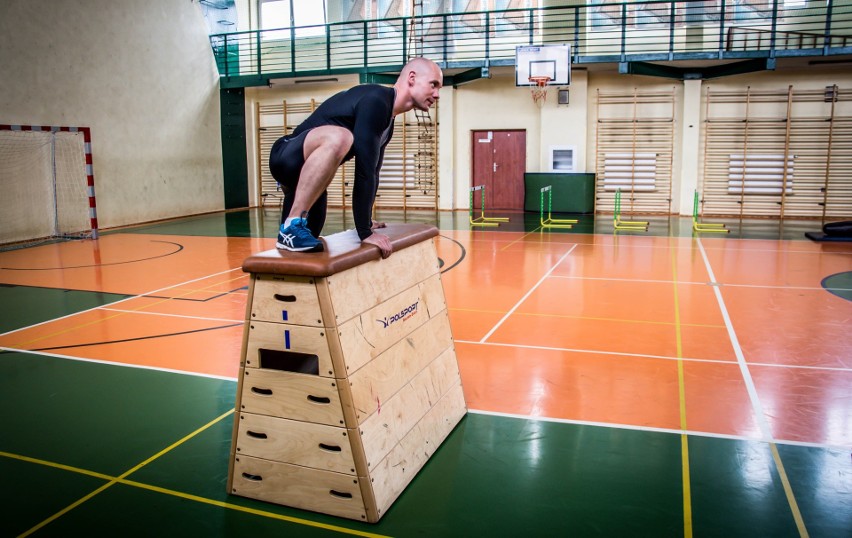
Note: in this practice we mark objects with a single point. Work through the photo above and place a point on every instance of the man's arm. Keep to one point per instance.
(371, 119)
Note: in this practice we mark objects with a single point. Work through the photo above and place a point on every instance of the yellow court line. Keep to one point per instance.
(253, 511)
(520, 238)
(755, 400)
(125, 474)
(118, 314)
(681, 388)
(189, 496)
(788, 491)
(55, 465)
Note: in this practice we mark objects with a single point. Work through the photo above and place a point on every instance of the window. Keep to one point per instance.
(760, 174)
(275, 14)
(309, 14)
(562, 159)
(630, 171)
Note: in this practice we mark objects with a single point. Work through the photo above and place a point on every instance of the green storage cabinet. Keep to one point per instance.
(572, 193)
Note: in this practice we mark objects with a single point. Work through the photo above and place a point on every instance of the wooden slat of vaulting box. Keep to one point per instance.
(292, 441)
(294, 396)
(283, 339)
(300, 487)
(286, 299)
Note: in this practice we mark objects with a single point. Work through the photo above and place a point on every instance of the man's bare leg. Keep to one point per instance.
(324, 149)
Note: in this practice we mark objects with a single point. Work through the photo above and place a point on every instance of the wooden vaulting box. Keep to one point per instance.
(349, 380)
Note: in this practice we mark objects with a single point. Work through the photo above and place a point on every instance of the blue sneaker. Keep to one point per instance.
(297, 237)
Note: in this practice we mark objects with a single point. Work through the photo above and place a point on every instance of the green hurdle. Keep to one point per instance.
(551, 222)
(705, 227)
(628, 225)
(482, 220)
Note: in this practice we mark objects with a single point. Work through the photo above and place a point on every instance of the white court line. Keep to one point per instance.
(629, 280)
(815, 288)
(473, 411)
(132, 297)
(646, 356)
(616, 426)
(757, 407)
(122, 364)
(524, 298)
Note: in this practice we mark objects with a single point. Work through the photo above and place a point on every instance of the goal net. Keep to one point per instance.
(44, 180)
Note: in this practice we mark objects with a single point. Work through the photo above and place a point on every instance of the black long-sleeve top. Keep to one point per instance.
(366, 111)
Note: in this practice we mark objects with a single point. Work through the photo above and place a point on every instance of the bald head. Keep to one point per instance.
(419, 65)
(418, 85)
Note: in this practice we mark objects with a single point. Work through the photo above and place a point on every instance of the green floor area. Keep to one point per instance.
(494, 476)
(25, 305)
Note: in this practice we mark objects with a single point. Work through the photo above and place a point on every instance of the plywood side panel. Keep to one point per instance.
(395, 472)
(373, 385)
(363, 287)
(383, 430)
(369, 334)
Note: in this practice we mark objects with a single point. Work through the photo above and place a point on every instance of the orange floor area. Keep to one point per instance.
(720, 336)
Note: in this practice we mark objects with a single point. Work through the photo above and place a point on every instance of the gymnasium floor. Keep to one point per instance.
(639, 384)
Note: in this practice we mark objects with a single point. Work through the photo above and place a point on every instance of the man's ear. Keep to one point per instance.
(412, 75)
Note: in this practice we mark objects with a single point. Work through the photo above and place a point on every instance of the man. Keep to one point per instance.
(355, 123)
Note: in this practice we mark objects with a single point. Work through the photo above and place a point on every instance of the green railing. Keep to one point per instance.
(613, 32)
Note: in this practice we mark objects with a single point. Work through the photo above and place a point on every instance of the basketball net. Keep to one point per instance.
(538, 87)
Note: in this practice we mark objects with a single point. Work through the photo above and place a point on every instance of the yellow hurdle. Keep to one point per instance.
(705, 227)
(482, 220)
(626, 225)
(551, 222)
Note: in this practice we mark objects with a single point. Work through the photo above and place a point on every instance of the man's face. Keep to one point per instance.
(426, 85)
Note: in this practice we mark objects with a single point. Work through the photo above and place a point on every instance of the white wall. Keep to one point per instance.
(142, 76)
(564, 125)
(491, 104)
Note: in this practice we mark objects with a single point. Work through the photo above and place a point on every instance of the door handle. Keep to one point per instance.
(495, 167)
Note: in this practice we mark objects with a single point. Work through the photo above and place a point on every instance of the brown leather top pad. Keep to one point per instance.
(342, 251)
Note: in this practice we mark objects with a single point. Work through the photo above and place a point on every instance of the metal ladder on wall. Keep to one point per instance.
(426, 158)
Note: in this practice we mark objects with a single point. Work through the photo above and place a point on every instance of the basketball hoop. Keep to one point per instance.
(538, 87)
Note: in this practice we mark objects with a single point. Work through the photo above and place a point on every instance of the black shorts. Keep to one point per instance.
(286, 159)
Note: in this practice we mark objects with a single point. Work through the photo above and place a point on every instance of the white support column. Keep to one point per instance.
(684, 190)
(446, 155)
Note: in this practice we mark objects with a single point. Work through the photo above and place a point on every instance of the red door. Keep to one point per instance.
(499, 162)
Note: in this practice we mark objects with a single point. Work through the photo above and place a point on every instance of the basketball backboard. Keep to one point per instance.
(552, 61)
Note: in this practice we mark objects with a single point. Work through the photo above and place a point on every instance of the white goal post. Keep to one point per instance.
(47, 183)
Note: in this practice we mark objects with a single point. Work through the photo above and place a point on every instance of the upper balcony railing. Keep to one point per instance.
(613, 32)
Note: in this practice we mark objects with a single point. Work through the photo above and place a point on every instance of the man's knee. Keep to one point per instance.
(331, 137)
